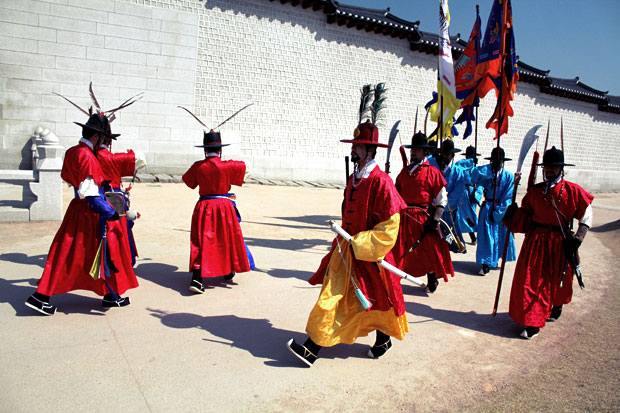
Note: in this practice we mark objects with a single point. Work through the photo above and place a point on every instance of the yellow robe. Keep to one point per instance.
(338, 316)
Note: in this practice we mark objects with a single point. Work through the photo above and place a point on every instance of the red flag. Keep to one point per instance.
(465, 66)
(509, 74)
(465, 77)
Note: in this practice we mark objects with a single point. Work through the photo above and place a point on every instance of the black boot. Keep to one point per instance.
(307, 352)
(556, 312)
(432, 283)
(472, 236)
(195, 285)
(382, 345)
(41, 303)
(109, 301)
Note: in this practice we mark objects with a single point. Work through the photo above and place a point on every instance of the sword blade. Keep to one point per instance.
(528, 141)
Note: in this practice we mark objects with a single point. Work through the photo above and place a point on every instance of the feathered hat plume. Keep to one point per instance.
(378, 104)
(365, 102)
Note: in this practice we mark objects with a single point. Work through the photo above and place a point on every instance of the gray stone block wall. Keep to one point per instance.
(302, 74)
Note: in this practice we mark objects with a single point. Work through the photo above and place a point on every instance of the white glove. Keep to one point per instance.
(140, 160)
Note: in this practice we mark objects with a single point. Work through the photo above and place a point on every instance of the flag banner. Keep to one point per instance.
(465, 66)
(446, 85)
(507, 81)
(466, 82)
(468, 116)
(489, 60)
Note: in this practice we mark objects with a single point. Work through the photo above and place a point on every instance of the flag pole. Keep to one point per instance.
(499, 128)
(502, 54)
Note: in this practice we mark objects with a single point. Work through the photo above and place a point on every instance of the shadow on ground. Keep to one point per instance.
(610, 226)
(282, 273)
(500, 325)
(15, 293)
(21, 258)
(166, 276)
(256, 336)
(286, 244)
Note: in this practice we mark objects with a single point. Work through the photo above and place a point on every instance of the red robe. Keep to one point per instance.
(75, 245)
(375, 200)
(536, 283)
(114, 166)
(432, 254)
(215, 226)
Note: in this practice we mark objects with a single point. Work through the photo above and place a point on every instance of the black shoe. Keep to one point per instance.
(431, 283)
(229, 276)
(196, 287)
(121, 302)
(484, 270)
(378, 350)
(556, 312)
(472, 236)
(301, 352)
(530, 332)
(41, 306)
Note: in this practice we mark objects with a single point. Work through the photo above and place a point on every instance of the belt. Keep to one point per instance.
(547, 227)
(417, 206)
(229, 196)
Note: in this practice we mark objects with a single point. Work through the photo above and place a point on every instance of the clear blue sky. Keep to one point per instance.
(569, 37)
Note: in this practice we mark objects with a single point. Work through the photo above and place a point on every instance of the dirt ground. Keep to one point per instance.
(225, 350)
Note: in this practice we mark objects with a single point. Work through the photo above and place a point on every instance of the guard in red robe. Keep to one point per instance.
(423, 188)
(115, 166)
(370, 214)
(543, 279)
(217, 247)
(90, 232)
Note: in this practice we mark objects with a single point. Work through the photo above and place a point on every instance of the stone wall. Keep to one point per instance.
(302, 74)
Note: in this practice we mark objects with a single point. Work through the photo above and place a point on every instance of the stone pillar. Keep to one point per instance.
(48, 186)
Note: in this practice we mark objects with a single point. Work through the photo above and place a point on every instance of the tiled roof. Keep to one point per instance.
(381, 21)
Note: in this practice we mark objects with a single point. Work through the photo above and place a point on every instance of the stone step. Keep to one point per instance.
(13, 214)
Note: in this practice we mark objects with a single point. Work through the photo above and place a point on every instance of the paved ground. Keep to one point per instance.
(225, 350)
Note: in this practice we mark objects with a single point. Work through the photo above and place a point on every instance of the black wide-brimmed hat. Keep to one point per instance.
(448, 147)
(502, 155)
(99, 123)
(554, 157)
(212, 140)
(419, 140)
(470, 152)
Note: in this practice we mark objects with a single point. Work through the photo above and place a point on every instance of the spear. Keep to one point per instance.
(528, 141)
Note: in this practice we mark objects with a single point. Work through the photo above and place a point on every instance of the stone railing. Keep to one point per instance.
(42, 185)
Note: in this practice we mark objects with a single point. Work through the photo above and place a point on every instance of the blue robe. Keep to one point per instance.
(491, 230)
(466, 214)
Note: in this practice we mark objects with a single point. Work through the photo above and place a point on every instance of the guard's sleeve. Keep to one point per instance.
(190, 178)
(88, 187)
(587, 217)
(237, 172)
(374, 244)
(442, 198)
(100, 206)
(125, 162)
(521, 221)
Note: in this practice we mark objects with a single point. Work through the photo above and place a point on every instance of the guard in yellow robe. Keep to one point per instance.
(370, 213)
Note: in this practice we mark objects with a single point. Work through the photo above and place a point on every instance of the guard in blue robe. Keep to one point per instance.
(467, 212)
(491, 231)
